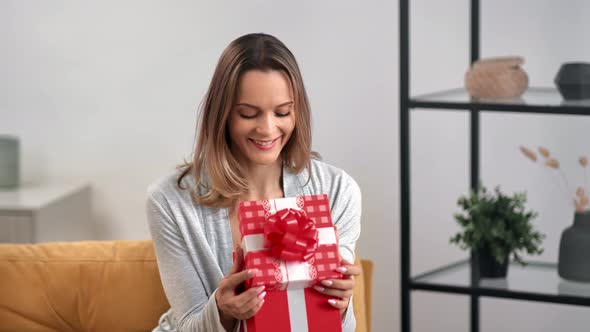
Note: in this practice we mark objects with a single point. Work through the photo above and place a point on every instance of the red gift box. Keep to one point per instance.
(293, 245)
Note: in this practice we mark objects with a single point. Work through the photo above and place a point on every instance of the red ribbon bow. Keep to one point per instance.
(291, 235)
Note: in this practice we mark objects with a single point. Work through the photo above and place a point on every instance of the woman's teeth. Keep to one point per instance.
(263, 142)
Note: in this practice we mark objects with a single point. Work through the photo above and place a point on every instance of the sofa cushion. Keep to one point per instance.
(80, 286)
(91, 286)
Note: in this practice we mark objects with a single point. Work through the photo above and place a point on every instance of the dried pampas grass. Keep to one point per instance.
(528, 153)
(584, 162)
(553, 163)
(544, 152)
(581, 200)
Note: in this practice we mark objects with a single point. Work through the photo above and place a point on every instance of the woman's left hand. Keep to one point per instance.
(340, 289)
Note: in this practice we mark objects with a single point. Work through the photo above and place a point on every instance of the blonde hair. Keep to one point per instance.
(213, 166)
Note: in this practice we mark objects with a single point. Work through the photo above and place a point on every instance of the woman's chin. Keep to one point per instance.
(264, 160)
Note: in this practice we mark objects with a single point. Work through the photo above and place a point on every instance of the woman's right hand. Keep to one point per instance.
(233, 306)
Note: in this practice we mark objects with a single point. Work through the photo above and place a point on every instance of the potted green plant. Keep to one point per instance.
(495, 225)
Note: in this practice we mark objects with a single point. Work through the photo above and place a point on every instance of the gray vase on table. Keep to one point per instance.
(573, 80)
(574, 249)
(9, 162)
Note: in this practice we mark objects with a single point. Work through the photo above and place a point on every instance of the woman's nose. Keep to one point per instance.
(266, 124)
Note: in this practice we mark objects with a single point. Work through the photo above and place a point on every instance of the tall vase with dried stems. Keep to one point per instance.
(574, 248)
(574, 245)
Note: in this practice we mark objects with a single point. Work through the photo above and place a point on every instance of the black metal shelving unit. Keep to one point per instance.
(461, 277)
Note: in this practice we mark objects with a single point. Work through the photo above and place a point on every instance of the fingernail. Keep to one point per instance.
(319, 288)
(262, 302)
(259, 289)
(332, 301)
(262, 295)
(341, 269)
(252, 272)
(327, 283)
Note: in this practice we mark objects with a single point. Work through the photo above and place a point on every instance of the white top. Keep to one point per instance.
(31, 197)
(194, 244)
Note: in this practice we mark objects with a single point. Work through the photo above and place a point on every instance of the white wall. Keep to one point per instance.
(107, 92)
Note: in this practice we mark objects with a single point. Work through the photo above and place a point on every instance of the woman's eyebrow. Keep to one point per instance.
(259, 109)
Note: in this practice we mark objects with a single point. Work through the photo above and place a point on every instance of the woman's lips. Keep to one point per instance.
(266, 145)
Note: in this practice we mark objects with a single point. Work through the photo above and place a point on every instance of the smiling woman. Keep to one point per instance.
(254, 143)
(262, 122)
(255, 74)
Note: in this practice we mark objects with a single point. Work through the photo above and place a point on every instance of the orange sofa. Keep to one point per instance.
(97, 286)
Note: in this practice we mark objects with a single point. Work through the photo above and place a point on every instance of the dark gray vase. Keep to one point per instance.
(9, 162)
(573, 80)
(574, 249)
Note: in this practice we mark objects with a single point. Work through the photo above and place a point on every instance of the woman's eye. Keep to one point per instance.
(247, 116)
(280, 115)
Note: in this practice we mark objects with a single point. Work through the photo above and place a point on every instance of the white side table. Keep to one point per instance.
(45, 213)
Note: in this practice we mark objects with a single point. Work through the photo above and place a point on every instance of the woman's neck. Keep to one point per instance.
(264, 181)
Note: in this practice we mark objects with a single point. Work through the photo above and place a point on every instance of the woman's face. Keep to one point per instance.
(262, 120)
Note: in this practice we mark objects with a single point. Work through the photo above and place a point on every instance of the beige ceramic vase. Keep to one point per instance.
(500, 77)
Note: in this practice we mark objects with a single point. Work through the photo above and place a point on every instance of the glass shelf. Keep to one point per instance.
(535, 282)
(534, 100)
